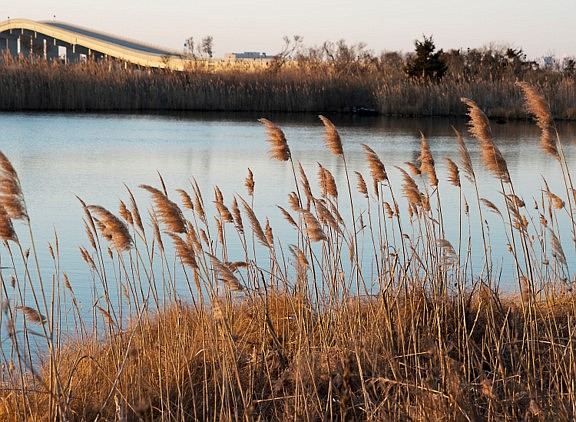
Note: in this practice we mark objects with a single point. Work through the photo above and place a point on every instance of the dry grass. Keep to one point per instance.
(309, 330)
(305, 86)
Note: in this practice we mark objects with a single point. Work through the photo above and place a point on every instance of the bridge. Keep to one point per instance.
(70, 43)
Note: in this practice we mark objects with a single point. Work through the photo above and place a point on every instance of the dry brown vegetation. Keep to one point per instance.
(311, 330)
(345, 80)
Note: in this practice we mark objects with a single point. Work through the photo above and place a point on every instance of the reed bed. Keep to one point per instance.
(299, 86)
(369, 313)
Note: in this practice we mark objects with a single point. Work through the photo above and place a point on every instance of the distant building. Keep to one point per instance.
(247, 55)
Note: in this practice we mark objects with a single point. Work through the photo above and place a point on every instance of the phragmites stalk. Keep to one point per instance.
(112, 228)
(377, 169)
(538, 107)
(453, 173)
(332, 137)
(480, 129)
(427, 161)
(280, 149)
(170, 214)
(11, 197)
(249, 182)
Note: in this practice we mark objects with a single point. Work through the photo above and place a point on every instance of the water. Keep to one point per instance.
(61, 156)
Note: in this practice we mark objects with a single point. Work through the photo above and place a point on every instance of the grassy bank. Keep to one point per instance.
(369, 314)
(295, 87)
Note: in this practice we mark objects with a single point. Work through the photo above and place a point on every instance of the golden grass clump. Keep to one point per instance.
(279, 146)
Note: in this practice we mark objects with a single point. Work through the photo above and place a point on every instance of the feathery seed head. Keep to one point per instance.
(277, 140)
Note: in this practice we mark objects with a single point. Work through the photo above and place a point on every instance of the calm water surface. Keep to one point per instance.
(94, 156)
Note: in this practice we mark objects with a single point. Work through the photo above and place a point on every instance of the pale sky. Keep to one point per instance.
(538, 27)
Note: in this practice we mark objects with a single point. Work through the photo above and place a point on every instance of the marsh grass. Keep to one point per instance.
(298, 86)
(369, 314)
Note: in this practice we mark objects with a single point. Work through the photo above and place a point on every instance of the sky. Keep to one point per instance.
(539, 28)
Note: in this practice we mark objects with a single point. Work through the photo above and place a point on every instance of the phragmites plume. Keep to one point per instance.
(537, 106)
(377, 169)
(125, 213)
(11, 197)
(184, 251)
(280, 149)
(249, 183)
(426, 161)
(480, 129)
(453, 172)
(6, 227)
(557, 250)
(410, 189)
(112, 228)
(269, 234)
(170, 214)
(287, 216)
(135, 211)
(32, 314)
(325, 216)
(186, 200)
(466, 161)
(225, 275)
(237, 216)
(313, 228)
(332, 137)
(256, 227)
(555, 200)
(413, 168)
(225, 213)
(490, 205)
(305, 184)
(362, 188)
(327, 182)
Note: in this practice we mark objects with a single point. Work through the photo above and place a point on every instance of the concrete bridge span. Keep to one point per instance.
(63, 41)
